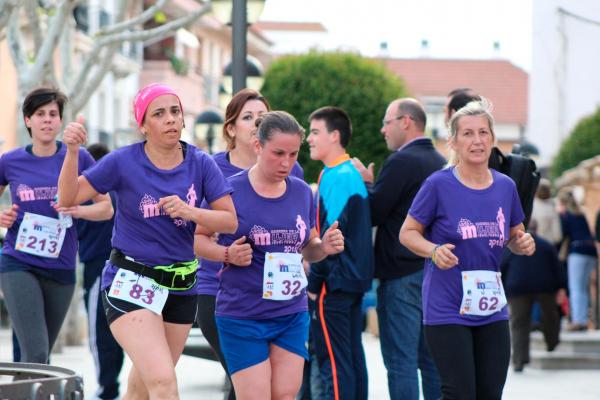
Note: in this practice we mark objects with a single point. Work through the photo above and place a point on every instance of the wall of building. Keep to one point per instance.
(8, 83)
(564, 83)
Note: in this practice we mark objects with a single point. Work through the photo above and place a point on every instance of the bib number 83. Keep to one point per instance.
(136, 293)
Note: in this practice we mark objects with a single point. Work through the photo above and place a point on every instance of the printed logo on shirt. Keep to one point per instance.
(191, 196)
(150, 209)
(493, 230)
(26, 193)
(289, 238)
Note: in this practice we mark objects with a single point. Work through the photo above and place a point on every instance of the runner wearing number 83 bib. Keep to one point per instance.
(147, 284)
(261, 308)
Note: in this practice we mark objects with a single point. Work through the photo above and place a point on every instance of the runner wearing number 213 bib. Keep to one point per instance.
(148, 282)
(461, 219)
(261, 307)
(37, 268)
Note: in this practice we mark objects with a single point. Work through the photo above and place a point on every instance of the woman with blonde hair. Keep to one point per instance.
(461, 220)
(582, 257)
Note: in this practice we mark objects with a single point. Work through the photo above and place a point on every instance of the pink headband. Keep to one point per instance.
(146, 95)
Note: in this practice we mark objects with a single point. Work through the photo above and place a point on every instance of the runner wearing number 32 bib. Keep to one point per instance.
(38, 257)
(461, 219)
(261, 309)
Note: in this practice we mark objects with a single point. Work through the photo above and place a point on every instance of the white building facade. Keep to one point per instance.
(564, 83)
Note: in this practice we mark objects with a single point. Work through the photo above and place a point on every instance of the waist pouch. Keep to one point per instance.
(178, 276)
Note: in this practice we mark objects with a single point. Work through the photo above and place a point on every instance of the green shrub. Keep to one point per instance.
(300, 84)
(582, 143)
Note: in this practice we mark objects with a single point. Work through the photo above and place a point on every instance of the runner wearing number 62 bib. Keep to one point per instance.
(261, 306)
(461, 219)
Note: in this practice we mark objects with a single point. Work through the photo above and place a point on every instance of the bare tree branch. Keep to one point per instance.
(6, 9)
(31, 7)
(81, 95)
(56, 24)
(132, 22)
(15, 43)
(161, 31)
(66, 54)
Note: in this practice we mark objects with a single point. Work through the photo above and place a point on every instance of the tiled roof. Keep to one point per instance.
(290, 26)
(503, 83)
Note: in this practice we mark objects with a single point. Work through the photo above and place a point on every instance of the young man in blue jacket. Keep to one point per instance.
(339, 282)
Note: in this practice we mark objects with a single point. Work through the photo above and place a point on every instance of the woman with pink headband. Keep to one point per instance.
(148, 282)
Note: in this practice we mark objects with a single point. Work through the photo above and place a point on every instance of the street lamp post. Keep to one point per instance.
(239, 44)
(254, 75)
(207, 124)
(238, 14)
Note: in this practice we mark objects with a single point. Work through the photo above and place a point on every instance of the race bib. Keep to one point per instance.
(139, 290)
(284, 276)
(40, 235)
(483, 293)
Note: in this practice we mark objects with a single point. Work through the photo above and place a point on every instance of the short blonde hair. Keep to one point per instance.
(566, 198)
(474, 108)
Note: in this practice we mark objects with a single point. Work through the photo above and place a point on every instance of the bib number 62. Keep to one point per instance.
(486, 303)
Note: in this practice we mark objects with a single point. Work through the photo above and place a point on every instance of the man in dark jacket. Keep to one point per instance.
(537, 278)
(399, 307)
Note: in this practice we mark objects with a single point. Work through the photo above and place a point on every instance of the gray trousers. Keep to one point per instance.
(37, 307)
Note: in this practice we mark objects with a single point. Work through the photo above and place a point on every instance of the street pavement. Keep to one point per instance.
(202, 379)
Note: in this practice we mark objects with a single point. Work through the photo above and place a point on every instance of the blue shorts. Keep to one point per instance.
(245, 342)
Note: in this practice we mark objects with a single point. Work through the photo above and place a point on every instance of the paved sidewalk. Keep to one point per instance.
(201, 379)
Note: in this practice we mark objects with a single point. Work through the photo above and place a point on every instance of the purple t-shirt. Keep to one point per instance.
(207, 277)
(282, 224)
(33, 184)
(478, 223)
(142, 230)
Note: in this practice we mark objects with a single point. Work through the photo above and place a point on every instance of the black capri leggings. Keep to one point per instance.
(472, 360)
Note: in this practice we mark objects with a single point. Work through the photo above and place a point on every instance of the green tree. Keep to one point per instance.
(300, 84)
(582, 143)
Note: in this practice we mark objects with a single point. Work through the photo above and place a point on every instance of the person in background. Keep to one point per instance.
(533, 279)
(338, 282)
(94, 250)
(582, 258)
(544, 212)
(400, 271)
(457, 99)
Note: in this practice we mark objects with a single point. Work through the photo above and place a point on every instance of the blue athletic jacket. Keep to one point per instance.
(343, 197)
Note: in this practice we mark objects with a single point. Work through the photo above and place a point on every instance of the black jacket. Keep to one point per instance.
(390, 198)
(538, 273)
